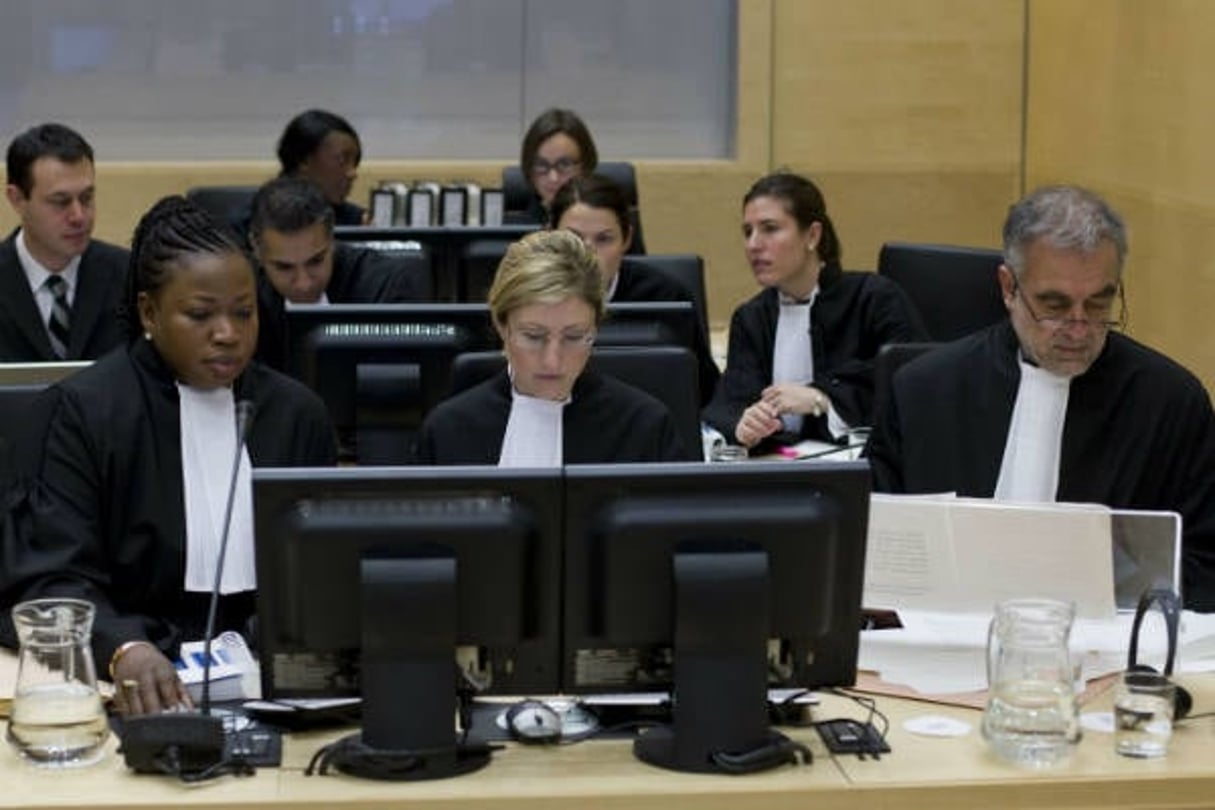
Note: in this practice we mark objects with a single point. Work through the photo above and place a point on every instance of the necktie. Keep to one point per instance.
(61, 318)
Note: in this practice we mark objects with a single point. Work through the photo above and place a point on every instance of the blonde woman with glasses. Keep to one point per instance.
(546, 409)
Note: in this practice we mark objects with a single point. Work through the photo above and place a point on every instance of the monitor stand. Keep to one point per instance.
(720, 715)
(408, 676)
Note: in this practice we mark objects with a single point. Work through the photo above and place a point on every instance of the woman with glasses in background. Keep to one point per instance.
(546, 409)
(557, 147)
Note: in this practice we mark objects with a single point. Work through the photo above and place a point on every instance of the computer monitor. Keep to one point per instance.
(446, 243)
(381, 367)
(718, 582)
(377, 581)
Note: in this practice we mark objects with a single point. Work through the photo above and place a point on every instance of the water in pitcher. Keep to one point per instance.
(1031, 716)
(58, 724)
(1031, 722)
(57, 719)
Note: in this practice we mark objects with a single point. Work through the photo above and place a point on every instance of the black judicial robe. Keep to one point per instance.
(360, 276)
(642, 284)
(103, 515)
(95, 328)
(606, 421)
(1139, 433)
(852, 317)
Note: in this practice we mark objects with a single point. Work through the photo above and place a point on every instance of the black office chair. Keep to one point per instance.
(517, 196)
(688, 270)
(478, 266)
(20, 386)
(228, 204)
(954, 288)
(890, 358)
(667, 373)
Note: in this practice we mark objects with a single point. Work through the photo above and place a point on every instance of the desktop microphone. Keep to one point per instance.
(245, 410)
(191, 746)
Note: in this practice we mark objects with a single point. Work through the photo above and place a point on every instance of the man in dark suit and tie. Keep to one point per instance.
(59, 288)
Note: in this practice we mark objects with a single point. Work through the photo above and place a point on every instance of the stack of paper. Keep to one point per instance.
(943, 563)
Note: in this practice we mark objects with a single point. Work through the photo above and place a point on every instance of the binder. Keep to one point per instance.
(383, 207)
(454, 204)
(493, 203)
(422, 205)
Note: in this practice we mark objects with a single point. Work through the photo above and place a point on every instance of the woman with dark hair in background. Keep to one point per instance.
(557, 147)
(594, 207)
(800, 361)
(322, 147)
(546, 409)
(127, 482)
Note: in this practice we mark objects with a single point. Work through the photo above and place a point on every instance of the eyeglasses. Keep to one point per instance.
(537, 341)
(1096, 315)
(563, 166)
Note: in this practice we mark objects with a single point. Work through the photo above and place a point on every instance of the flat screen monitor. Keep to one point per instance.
(446, 243)
(397, 583)
(381, 367)
(717, 582)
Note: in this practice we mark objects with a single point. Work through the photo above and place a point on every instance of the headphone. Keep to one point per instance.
(533, 722)
(1170, 607)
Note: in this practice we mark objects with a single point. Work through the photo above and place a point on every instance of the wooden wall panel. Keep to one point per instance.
(908, 113)
(1119, 100)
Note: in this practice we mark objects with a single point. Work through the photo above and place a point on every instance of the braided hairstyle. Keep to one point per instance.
(172, 229)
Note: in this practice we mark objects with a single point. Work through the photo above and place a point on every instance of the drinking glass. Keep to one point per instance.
(1143, 714)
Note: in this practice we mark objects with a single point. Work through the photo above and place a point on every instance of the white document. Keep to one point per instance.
(962, 555)
(943, 653)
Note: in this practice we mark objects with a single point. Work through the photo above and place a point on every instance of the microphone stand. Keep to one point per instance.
(244, 418)
(190, 746)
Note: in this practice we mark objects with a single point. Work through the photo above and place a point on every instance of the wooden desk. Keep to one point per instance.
(920, 773)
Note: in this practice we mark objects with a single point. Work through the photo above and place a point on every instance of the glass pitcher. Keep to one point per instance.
(57, 718)
(1031, 716)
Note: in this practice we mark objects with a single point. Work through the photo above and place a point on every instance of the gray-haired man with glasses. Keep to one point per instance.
(1054, 404)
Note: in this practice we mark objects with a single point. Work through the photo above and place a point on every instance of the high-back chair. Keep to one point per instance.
(954, 288)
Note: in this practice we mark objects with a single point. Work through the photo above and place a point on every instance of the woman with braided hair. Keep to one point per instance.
(127, 486)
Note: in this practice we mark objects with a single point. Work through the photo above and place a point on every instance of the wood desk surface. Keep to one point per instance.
(921, 772)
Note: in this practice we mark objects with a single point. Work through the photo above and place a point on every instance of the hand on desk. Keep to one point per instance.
(762, 419)
(796, 398)
(146, 682)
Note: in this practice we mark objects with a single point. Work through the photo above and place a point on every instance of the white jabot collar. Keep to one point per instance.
(792, 355)
(534, 431)
(208, 446)
(1029, 470)
(324, 299)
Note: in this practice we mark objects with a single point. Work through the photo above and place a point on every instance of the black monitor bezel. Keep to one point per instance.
(535, 666)
(588, 487)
